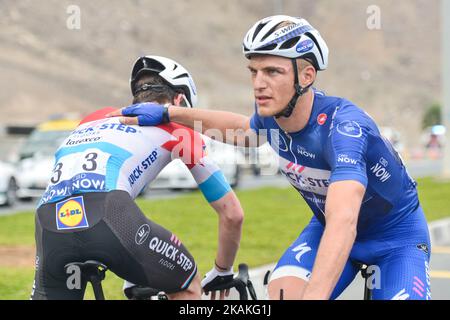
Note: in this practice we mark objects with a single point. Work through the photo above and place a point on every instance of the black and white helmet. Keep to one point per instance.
(298, 39)
(171, 71)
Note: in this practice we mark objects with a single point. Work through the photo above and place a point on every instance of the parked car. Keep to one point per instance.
(8, 184)
(261, 160)
(176, 175)
(37, 157)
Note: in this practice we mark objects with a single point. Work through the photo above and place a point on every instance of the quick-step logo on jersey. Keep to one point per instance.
(105, 126)
(145, 164)
(306, 178)
(170, 252)
(70, 214)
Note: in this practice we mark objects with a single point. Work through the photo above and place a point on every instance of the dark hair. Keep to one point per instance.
(162, 94)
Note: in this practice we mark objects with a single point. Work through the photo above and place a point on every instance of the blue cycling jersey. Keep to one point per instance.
(342, 142)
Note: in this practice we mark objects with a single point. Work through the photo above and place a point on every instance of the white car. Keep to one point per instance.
(34, 170)
(8, 184)
(33, 175)
(261, 160)
(176, 175)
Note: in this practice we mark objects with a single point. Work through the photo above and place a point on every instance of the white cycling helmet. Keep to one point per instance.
(171, 71)
(295, 40)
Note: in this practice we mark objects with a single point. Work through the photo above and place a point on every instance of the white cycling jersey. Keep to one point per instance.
(102, 154)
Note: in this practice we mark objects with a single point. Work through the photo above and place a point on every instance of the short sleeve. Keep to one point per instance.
(347, 145)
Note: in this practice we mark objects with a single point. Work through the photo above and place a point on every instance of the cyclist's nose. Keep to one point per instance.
(259, 81)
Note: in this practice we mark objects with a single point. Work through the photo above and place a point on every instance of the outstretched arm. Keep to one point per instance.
(223, 126)
(341, 212)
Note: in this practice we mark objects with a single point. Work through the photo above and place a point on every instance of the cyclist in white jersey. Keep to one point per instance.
(88, 213)
(365, 205)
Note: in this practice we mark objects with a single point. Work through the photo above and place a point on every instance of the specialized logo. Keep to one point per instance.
(301, 249)
(142, 234)
(401, 295)
(305, 46)
(350, 129)
(70, 214)
(423, 247)
(287, 29)
(322, 118)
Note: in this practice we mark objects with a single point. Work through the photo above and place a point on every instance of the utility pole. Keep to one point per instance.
(445, 36)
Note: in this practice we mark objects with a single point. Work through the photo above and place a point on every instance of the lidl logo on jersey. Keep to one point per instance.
(70, 214)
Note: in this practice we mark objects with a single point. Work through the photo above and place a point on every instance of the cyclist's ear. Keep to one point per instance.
(178, 99)
(306, 72)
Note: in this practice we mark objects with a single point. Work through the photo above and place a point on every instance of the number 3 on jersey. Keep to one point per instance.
(91, 160)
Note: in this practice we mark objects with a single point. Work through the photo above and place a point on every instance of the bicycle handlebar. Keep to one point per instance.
(241, 283)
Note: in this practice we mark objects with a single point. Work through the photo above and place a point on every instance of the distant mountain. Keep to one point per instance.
(45, 68)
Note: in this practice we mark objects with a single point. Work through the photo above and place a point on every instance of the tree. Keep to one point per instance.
(432, 116)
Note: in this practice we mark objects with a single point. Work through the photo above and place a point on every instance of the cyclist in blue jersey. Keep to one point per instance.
(366, 208)
(88, 210)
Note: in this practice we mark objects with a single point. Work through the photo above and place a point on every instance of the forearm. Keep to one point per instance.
(223, 126)
(230, 229)
(334, 250)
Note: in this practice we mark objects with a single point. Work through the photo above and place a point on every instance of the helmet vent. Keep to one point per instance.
(258, 29)
(268, 47)
(184, 75)
(271, 31)
(152, 64)
(290, 43)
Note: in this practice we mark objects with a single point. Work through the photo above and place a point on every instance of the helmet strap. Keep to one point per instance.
(299, 91)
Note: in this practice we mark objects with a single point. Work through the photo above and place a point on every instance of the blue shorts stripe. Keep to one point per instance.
(215, 187)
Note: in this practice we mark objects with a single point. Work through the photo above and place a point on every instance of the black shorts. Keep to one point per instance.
(110, 228)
